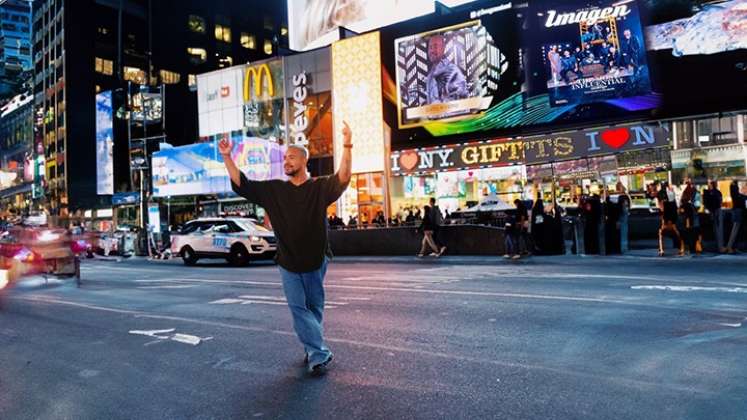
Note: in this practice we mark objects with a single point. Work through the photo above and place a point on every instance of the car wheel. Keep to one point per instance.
(189, 256)
(239, 256)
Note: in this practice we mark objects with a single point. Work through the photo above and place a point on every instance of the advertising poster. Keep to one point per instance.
(447, 73)
(104, 144)
(199, 169)
(264, 100)
(699, 48)
(593, 52)
(316, 23)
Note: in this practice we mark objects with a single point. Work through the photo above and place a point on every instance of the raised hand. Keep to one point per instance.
(347, 134)
(225, 146)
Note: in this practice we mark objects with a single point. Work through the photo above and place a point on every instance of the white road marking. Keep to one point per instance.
(263, 302)
(355, 298)
(739, 325)
(267, 300)
(167, 335)
(692, 289)
(183, 286)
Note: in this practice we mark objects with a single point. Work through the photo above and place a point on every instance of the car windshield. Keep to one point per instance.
(249, 226)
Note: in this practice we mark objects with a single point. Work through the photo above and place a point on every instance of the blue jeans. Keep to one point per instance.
(305, 295)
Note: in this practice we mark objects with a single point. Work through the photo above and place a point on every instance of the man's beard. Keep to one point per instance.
(292, 172)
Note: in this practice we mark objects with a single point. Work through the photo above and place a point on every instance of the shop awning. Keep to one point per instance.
(18, 189)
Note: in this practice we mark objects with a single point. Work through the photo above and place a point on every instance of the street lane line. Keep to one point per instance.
(176, 286)
(670, 288)
(264, 302)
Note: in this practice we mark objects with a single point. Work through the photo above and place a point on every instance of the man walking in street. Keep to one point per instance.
(298, 209)
(437, 219)
(738, 201)
(713, 199)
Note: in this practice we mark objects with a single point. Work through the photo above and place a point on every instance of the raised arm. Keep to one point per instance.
(224, 148)
(344, 172)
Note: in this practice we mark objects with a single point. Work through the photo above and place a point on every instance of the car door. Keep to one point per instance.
(220, 238)
(201, 238)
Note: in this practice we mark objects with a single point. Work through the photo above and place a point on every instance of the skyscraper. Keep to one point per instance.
(15, 44)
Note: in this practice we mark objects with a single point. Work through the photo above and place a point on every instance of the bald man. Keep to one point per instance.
(298, 210)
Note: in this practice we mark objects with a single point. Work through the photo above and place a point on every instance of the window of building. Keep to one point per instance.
(169, 77)
(269, 24)
(268, 47)
(197, 55)
(715, 131)
(192, 82)
(684, 134)
(103, 30)
(196, 24)
(226, 61)
(284, 31)
(222, 33)
(134, 74)
(104, 66)
(248, 41)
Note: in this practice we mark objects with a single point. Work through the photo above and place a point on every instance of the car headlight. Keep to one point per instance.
(255, 238)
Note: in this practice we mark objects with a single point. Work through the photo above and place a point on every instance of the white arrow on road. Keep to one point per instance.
(178, 337)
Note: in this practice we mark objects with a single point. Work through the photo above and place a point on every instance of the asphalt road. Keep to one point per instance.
(456, 338)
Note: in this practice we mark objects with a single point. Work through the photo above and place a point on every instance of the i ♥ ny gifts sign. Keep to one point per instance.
(530, 150)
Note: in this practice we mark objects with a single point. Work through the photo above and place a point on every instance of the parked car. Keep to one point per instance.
(238, 240)
(28, 250)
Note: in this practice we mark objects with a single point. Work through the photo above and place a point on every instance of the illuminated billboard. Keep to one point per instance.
(592, 53)
(356, 76)
(199, 169)
(315, 23)
(104, 144)
(447, 74)
(220, 101)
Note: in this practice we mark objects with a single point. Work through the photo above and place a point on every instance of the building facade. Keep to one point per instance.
(16, 162)
(86, 47)
(15, 43)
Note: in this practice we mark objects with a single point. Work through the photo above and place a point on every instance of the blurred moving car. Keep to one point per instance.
(238, 240)
(28, 250)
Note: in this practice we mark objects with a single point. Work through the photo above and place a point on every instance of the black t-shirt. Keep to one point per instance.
(298, 215)
(670, 207)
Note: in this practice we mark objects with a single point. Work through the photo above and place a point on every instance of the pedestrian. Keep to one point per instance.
(737, 214)
(624, 204)
(668, 211)
(611, 223)
(538, 225)
(591, 212)
(298, 209)
(410, 219)
(438, 220)
(522, 229)
(713, 201)
(426, 228)
(689, 210)
(511, 240)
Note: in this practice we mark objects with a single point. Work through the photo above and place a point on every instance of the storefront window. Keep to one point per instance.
(196, 24)
(684, 134)
(717, 131)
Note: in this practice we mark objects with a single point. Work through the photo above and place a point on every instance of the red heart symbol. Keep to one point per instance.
(616, 138)
(409, 160)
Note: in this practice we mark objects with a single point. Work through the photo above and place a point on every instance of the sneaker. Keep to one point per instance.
(516, 257)
(441, 252)
(420, 255)
(506, 256)
(433, 254)
(320, 368)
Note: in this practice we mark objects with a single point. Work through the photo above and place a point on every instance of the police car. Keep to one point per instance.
(238, 240)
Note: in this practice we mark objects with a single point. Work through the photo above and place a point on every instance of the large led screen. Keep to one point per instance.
(592, 52)
(199, 169)
(104, 144)
(448, 73)
(316, 23)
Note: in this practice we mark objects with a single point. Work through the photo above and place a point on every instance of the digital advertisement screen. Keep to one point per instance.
(199, 169)
(448, 73)
(316, 23)
(592, 52)
(104, 144)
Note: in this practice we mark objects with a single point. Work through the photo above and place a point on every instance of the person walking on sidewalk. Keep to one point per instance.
(713, 200)
(689, 205)
(438, 221)
(737, 214)
(298, 209)
(427, 228)
(668, 209)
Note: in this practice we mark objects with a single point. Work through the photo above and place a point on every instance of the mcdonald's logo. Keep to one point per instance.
(253, 77)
